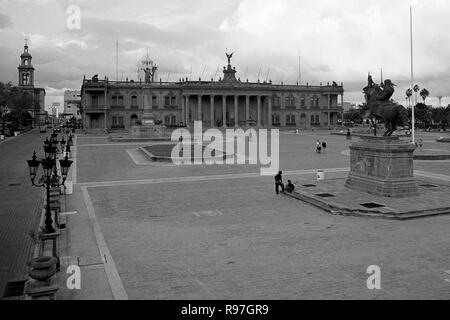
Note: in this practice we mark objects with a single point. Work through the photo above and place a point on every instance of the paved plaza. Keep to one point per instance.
(157, 231)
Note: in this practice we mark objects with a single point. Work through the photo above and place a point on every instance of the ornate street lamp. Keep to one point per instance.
(62, 142)
(68, 149)
(65, 166)
(33, 165)
(48, 179)
(70, 142)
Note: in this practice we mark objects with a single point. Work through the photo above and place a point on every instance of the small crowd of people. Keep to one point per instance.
(279, 184)
(321, 146)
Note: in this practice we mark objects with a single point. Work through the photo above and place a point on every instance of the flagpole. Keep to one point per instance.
(412, 73)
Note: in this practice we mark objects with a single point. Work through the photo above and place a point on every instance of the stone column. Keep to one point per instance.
(199, 108)
(329, 106)
(236, 112)
(187, 109)
(259, 110)
(211, 110)
(183, 109)
(247, 109)
(269, 115)
(224, 111)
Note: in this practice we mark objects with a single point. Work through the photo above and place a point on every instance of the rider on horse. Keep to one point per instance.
(378, 98)
(382, 93)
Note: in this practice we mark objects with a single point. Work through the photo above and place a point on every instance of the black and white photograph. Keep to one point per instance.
(224, 154)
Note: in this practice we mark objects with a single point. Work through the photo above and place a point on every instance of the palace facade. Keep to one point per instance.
(228, 102)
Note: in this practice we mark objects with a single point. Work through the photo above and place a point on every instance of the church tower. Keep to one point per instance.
(26, 69)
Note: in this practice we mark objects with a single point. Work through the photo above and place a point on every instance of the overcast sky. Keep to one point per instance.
(337, 40)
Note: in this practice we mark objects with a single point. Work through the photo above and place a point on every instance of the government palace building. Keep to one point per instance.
(228, 102)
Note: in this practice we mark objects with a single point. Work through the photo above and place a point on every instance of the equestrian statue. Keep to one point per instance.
(381, 107)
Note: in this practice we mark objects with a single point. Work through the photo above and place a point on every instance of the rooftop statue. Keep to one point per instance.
(229, 56)
(378, 99)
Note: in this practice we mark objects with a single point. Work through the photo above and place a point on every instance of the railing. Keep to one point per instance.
(194, 84)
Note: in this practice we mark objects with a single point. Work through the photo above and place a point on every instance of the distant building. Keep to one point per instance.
(72, 104)
(55, 109)
(26, 82)
(349, 106)
(228, 102)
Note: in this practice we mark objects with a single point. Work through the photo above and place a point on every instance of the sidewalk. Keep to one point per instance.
(79, 247)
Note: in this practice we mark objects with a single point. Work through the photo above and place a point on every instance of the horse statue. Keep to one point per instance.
(381, 107)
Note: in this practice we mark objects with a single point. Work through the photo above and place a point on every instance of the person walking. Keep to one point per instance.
(318, 146)
(324, 146)
(279, 182)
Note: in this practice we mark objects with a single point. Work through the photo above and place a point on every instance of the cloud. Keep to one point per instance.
(5, 21)
(337, 40)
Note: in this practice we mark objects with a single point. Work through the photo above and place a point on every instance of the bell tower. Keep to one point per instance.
(26, 69)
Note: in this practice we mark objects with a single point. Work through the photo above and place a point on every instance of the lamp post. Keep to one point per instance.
(62, 142)
(49, 178)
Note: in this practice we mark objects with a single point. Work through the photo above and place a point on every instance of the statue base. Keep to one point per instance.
(382, 166)
(148, 128)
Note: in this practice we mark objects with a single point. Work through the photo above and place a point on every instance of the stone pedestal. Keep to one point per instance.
(382, 166)
(148, 128)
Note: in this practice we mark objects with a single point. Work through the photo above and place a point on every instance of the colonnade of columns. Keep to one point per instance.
(262, 101)
(199, 114)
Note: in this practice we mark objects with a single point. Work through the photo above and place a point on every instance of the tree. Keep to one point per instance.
(409, 93)
(424, 93)
(423, 114)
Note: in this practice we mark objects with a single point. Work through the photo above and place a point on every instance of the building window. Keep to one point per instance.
(133, 119)
(173, 101)
(117, 122)
(120, 101)
(275, 119)
(166, 101)
(302, 102)
(154, 101)
(166, 120)
(275, 100)
(290, 101)
(290, 120)
(314, 101)
(94, 101)
(134, 102)
(315, 119)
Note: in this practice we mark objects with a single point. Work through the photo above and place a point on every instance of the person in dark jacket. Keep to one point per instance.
(324, 146)
(290, 186)
(279, 182)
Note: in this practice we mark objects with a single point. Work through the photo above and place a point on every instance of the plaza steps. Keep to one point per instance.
(95, 131)
(346, 211)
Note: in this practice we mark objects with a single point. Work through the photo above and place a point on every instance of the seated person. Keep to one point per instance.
(290, 186)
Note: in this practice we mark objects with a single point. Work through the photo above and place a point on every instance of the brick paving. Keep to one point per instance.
(235, 239)
(20, 206)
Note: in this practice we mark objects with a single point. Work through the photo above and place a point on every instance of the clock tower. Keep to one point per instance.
(26, 69)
